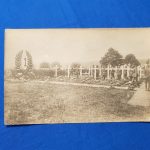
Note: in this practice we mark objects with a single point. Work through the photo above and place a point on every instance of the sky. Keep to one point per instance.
(75, 45)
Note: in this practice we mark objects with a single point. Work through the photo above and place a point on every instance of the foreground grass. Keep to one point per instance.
(42, 102)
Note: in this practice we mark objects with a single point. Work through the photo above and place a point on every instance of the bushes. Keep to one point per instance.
(12, 73)
(43, 73)
(62, 75)
(47, 73)
(61, 72)
(22, 74)
(33, 74)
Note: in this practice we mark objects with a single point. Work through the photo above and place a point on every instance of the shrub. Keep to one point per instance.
(42, 73)
(61, 72)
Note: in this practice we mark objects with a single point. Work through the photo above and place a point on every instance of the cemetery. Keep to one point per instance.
(74, 76)
(93, 93)
(116, 74)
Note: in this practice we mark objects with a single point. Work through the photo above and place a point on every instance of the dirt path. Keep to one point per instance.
(141, 97)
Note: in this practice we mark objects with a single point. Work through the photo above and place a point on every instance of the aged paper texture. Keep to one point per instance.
(77, 75)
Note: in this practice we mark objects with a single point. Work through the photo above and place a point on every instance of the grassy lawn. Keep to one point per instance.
(42, 102)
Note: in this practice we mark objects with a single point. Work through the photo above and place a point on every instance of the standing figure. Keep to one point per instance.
(147, 77)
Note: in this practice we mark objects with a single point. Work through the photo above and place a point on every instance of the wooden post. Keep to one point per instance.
(95, 72)
(89, 71)
(140, 72)
(81, 71)
(100, 71)
(68, 71)
(122, 74)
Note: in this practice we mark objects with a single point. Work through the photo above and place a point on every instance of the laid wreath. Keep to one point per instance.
(24, 73)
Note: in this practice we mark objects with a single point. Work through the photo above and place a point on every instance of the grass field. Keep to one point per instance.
(41, 102)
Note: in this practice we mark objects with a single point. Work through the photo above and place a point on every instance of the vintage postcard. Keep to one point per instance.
(77, 75)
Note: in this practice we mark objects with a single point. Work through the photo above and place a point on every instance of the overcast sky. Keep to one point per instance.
(74, 45)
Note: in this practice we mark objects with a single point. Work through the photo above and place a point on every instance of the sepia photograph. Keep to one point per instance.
(77, 75)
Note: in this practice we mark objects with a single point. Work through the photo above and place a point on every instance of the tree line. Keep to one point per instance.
(114, 58)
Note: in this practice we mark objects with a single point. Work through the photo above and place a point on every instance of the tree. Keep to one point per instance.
(132, 60)
(44, 65)
(112, 57)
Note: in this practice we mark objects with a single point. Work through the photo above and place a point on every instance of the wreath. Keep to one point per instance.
(29, 61)
(18, 61)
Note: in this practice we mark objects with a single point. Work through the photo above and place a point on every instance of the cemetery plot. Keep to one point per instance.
(121, 76)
